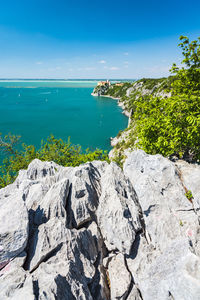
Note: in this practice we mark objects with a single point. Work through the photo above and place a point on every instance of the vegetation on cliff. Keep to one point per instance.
(166, 120)
(57, 150)
(118, 91)
(148, 85)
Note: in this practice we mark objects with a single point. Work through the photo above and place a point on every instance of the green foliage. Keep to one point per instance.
(119, 133)
(151, 86)
(191, 52)
(57, 150)
(8, 143)
(119, 159)
(180, 222)
(152, 83)
(170, 126)
(188, 78)
(189, 195)
(118, 91)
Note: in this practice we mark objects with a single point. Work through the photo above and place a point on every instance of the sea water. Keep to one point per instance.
(36, 109)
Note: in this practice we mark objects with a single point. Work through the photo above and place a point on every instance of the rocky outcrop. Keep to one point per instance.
(118, 214)
(100, 90)
(166, 262)
(13, 225)
(141, 89)
(97, 232)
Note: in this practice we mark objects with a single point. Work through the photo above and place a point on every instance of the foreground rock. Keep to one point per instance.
(119, 276)
(13, 224)
(166, 262)
(96, 232)
(118, 214)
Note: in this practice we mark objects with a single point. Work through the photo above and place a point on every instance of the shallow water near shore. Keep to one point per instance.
(37, 109)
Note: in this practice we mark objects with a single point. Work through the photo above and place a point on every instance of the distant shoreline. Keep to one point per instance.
(120, 104)
(107, 96)
(43, 80)
(59, 80)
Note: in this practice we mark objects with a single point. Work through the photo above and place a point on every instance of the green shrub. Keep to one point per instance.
(57, 150)
(118, 91)
(189, 195)
(170, 126)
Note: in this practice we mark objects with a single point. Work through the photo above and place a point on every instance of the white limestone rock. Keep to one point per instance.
(160, 259)
(13, 225)
(38, 169)
(175, 273)
(135, 294)
(161, 195)
(12, 277)
(99, 287)
(92, 226)
(53, 205)
(119, 277)
(118, 214)
(83, 198)
(190, 175)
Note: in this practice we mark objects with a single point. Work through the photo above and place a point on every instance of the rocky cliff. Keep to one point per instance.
(97, 232)
(124, 90)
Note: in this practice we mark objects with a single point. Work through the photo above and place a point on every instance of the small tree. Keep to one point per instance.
(57, 150)
(188, 77)
(171, 126)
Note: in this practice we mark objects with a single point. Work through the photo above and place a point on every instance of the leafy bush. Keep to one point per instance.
(57, 150)
(118, 91)
(150, 83)
(171, 126)
(189, 195)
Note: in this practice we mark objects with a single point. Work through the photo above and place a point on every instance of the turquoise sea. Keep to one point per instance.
(36, 109)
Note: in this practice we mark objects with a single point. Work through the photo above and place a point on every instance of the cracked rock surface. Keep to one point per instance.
(95, 232)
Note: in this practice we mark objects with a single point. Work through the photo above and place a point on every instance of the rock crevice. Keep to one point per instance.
(95, 232)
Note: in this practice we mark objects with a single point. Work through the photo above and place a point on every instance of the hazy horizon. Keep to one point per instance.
(65, 79)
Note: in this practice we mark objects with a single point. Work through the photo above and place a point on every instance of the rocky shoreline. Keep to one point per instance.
(125, 112)
(115, 140)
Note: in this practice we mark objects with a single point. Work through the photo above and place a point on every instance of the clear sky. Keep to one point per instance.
(93, 39)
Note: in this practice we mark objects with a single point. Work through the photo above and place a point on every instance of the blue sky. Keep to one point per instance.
(93, 39)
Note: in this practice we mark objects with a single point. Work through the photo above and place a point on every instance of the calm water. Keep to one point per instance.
(35, 110)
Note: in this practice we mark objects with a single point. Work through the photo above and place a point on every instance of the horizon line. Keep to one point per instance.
(45, 78)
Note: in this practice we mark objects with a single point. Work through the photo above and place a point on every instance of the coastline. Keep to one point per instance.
(45, 80)
(114, 140)
(125, 112)
(106, 96)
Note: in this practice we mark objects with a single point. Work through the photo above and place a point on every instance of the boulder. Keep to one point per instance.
(53, 204)
(84, 193)
(13, 225)
(13, 277)
(161, 194)
(159, 260)
(118, 213)
(38, 169)
(119, 277)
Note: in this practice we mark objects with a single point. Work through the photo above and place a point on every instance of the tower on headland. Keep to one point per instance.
(102, 83)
